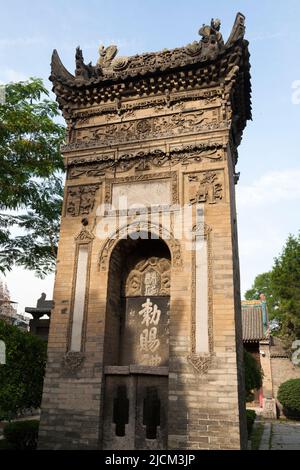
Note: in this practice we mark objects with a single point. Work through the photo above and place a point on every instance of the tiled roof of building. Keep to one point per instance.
(253, 321)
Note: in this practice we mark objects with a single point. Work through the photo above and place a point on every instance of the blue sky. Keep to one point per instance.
(268, 193)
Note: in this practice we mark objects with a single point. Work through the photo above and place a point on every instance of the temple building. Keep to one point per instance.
(145, 345)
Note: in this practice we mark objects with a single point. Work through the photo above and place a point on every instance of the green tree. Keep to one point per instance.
(263, 285)
(285, 281)
(21, 378)
(30, 178)
(281, 287)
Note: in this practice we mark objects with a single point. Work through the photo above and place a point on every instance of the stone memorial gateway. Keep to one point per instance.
(145, 345)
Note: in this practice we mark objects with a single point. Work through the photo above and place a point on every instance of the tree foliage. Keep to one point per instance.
(262, 285)
(253, 375)
(21, 378)
(282, 289)
(286, 288)
(31, 177)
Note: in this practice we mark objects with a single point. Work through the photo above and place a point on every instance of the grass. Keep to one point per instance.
(256, 435)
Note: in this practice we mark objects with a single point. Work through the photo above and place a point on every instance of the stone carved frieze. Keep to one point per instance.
(93, 170)
(205, 187)
(168, 125)
(81, 200)
(149, 277)
(144, 160)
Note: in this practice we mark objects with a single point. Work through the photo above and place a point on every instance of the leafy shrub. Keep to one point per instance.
(21, 378)
(22, 435)
(253, 375)
(289, 397)
(251, 415)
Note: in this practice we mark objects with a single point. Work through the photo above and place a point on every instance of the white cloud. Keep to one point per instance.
(10, 75)
(272, 188)
(268, 211)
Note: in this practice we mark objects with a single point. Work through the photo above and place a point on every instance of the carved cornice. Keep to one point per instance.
(167, 101)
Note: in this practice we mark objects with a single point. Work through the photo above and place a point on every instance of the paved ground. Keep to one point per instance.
(281, 436)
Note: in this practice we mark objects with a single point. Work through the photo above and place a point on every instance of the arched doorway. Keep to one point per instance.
(136, 347)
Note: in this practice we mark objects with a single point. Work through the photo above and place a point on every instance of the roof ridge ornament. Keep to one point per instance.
(106, 55)
(211, 34)
(238, 30)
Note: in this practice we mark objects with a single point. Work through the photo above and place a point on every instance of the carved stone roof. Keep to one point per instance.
(204, 63)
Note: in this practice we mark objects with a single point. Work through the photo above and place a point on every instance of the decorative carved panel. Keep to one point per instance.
(205, 187)
(72, 363)
(84, 236)
(145, 333)
(80, 200)
(202, 362)
(149, 277)
(143, 178)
